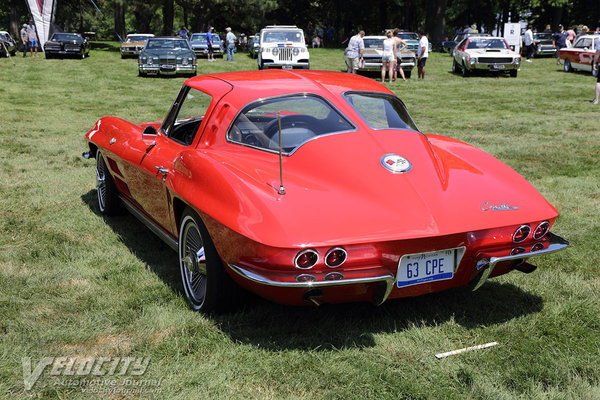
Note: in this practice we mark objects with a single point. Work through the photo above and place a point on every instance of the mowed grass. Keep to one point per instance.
(76, 284)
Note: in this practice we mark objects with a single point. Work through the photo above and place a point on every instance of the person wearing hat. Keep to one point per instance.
(209, 43)
(559, 40)
(32, 38)
(230, 40)
(24, 39)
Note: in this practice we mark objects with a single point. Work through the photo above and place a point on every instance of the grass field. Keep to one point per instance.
(75, 284)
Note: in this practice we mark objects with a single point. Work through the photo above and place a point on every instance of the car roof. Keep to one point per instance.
(141, 34)
(375, 37)
(275, 82)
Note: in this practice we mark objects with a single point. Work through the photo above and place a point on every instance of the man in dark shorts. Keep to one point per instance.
(559, 40)
(209, 42)
(422, 54)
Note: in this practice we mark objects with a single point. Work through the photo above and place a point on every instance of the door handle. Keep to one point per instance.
(163, 171)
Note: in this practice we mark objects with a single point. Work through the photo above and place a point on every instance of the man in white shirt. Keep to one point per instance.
(354, 52)
(230, 39)
(422, 54)
(528, 43)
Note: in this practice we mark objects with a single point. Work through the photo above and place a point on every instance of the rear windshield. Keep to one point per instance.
(300, 118)
(381, 110)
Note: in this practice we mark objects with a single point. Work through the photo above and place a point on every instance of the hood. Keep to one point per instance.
(337, 191)
(490, 52)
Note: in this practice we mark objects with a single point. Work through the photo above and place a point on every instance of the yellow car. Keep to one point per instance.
(133, 44)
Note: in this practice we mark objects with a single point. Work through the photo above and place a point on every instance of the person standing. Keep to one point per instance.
(24, 39)
(400, 46)
(595, 67)
(209, 42)
(528, 42)
(388, 56)
(184, 33)
(32, 37)
(354, 52)
(422, 54)
(571, 34)
(230, 40)
(559, 40)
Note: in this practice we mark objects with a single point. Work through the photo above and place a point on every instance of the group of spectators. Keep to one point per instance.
(320, 36)
(229, 40)
(560, 39)
(29, 39)
(391, 47)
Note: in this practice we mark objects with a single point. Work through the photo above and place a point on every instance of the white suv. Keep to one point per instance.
(282, 46)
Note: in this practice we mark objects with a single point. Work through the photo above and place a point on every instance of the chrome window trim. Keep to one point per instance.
(300, 94)
(383, 94)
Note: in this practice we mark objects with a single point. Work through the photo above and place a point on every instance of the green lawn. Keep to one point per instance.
(75, 284)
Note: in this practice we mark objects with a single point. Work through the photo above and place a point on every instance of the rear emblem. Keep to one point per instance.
(395, 163)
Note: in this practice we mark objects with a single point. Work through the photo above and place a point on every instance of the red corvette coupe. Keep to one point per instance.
(312, 187)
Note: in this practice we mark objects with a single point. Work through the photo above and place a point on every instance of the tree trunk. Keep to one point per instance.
(435, 20)
(120, 20)
(168, 15)
(13, 26)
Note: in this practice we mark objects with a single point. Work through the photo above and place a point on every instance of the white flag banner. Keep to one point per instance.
(42, 12)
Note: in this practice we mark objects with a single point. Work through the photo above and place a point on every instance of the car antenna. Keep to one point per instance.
(281, 190)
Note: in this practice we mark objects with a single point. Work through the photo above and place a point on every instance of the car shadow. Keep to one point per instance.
(276, 327)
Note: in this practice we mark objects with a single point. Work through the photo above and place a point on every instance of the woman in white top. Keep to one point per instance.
(400, 45)
(388, 56)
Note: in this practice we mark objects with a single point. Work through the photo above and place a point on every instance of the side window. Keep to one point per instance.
(381, 111)
(189, 117)
(300, 118)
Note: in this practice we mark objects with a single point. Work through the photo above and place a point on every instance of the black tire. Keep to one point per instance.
(407, 74)
(465, 71)
(568, 67)
(513, 73)
(455, 68)
(48, 56)
(108, 196)
(206, 285)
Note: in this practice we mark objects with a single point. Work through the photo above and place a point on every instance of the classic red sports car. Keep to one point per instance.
(311, 187)
(581, 55)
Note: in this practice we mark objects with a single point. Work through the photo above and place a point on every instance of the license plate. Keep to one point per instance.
(287, 67)
(496, 67)
(414, 269)
(167, 66)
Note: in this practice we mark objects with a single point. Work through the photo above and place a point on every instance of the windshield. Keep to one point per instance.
(275, 36)
(408, 36)
(300, 118)
(373, 43)
(486, 43)
(167, 44)
(543, 36)
(66, 37)
(381, 111)
(136, 39)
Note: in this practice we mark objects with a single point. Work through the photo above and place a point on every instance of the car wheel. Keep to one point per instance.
(465, 71)
(568, 67)
(48, 56)
(108, 197)
(454, 67)
(513, 73)
(206, 284)
(407, 74)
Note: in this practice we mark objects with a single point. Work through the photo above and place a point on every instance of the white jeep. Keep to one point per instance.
(282, 46)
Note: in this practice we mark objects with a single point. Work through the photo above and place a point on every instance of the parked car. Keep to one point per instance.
(200, 44)
(374, 50)
(8, 46)
(310, 187)
(167, 56)
(133, 44)
(67, 44)
(581, 55)
(254, 45)
(543, 44)
(451, 44)
(491, 54)
(283, 46)
(412, 41)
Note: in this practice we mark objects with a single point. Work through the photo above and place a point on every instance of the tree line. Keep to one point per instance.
(438, 18)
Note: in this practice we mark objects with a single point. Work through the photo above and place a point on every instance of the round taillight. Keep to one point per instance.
(334, 276)
(306, 259)
(517, 250)
(335, 257)
(537, 247)
(521, 233)
(306, 278)
(541, 230)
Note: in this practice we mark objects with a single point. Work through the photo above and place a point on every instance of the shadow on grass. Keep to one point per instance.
(146, 246)
(277, 327)
(106, 46)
